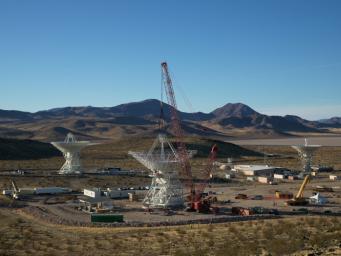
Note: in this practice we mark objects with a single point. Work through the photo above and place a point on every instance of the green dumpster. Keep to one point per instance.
(110, 218)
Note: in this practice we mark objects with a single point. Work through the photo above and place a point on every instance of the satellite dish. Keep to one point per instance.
(166, 190)
(306, 152)
(71, 149)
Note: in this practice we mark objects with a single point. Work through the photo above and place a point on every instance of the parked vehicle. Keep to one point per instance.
(241, 196)
(257, 197)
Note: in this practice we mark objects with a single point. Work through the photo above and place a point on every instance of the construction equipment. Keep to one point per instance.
(21, 193)
(241, 196)
(15, 193)
(176, 128)
(241, 211)
(306, 155)
(196, 201)
(199, 202)
(299, 199)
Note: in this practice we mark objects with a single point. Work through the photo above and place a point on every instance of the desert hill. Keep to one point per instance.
(142, 119)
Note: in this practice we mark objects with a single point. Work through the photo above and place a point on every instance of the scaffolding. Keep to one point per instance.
(166, 189)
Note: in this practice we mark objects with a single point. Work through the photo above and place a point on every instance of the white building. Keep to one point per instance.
(264, 180)
(334, 177)
(255, 170)
(93, 192)
(279, 176)
(115, 193)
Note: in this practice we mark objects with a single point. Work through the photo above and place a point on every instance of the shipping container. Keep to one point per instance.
(118, 194)
(292, 177)
(283, 195)
(279, 176)
(133, 197)
(263, 179)
(108, 218)
(334, 177)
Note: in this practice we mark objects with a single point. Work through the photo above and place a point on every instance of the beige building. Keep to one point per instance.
(255, 170)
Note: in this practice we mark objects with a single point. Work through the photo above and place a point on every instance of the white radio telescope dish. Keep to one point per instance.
(71, 149)
(306, 152)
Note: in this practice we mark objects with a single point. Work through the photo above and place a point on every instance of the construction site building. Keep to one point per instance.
(255, 170)
(93, 192)
(52, 190)
(264, 180)
(117, 194)
(334, 177)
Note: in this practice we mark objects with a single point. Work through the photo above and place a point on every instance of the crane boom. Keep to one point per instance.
(176, 128)
(197, 202)
(15, 187)
(299, 199)
(199, 189)
(304, 183)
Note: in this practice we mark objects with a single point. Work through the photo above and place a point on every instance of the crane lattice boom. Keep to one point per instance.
(176, 127)
(199, 189)
(186, 172)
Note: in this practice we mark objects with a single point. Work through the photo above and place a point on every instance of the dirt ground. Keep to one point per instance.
(225, 193)
(27, 234)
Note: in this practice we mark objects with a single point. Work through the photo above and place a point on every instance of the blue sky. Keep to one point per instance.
(279, 57)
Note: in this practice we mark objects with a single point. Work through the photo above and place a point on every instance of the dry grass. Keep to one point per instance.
(25, 236)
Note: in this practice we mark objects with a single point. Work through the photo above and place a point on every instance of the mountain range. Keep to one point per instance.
(142, 119)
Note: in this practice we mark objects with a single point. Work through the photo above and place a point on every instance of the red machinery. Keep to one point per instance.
(199, 202)
(196, 200)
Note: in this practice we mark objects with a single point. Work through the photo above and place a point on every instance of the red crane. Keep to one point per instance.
(201, 203)
(199, 188)
(177, 130)
(195, 199)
